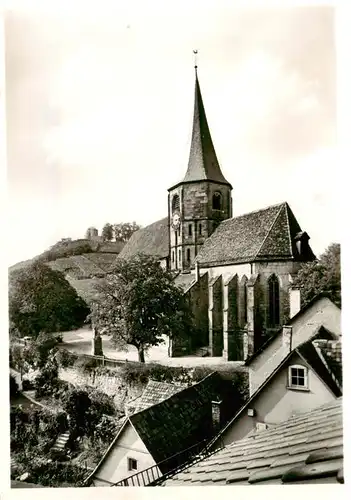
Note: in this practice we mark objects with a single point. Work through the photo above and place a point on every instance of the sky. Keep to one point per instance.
(99, 104)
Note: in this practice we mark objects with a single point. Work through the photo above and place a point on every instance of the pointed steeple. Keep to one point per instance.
(203, 163)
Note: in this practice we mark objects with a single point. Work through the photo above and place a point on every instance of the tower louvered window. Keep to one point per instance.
(273, 301)
(175, 203)
(217, 201)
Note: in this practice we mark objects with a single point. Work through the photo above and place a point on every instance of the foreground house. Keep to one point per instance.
(305, 449)
(306, 324)
(308, 377)
(168, 434)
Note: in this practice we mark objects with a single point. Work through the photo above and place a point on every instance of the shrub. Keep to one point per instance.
(66, 358)
(87, 364)
(141, 373)
(27, 385)
(47, 381)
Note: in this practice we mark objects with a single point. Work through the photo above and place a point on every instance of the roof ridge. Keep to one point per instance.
(289, 232)
(270, 229)
(254, 211)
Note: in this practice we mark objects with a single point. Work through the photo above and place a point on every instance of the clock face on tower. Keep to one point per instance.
(176, 220)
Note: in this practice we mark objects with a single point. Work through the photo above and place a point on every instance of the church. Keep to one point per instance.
(237, 272)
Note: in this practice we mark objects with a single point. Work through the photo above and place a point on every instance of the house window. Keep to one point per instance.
(180, 255)
(173, 256)
(200, 229)
(188, 254)
(217, 201)
(190, 230)
(298, 377)
(175, 204)
(273, 301)
(132, 464)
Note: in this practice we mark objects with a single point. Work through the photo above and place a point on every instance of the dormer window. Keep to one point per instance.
(301, 241)
(217, 201)
(298, 377)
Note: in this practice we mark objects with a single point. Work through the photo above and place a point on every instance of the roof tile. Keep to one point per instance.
(325, 454)
(316, 470)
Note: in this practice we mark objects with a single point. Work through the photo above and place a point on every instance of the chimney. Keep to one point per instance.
(197, 272)
(216, 415)
(287, 337)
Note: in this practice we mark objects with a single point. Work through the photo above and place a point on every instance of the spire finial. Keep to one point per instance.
(195, 58)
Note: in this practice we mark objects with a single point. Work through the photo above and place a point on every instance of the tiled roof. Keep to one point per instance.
(203, 163)
(154, 393)
(149, 240)
(185, 418)
(266, 234)
(306, 448)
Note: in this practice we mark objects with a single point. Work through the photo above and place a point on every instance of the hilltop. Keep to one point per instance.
(82, 261)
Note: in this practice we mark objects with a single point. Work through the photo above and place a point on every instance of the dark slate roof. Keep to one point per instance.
(185, 418)
(203, 163)
(154, 393)
(316, 360)
(182, 420)
(149, 240)
(262, 235)
(298, 314)
(330, 352)
(306, 448)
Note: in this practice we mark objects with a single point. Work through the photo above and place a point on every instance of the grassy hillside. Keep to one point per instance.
(83, 262)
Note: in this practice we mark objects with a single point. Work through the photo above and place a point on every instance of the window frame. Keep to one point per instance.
(132, 460)
(298, 387)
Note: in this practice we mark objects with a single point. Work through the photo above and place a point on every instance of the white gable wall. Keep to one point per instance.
(115, 466)
(276, 403)
(322, 313)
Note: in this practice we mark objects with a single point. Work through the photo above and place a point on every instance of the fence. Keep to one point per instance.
(103, 360)
(161, 471)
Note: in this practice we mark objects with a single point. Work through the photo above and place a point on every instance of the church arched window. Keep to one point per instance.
(273, 301)
(243, 301)
(175, 203)
(217, 201)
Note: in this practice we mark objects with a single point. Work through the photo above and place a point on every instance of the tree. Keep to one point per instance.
(42, 300)
(139, 303)
(321, 276)
(124, 230)
(77, 405)
(107, 232)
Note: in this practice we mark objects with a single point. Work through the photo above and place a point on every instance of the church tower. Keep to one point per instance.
(198, 203)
